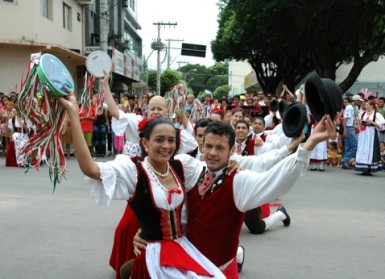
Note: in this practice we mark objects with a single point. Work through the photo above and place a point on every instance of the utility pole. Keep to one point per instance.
(158, 46)
(169, 50)
(181, 62)
(104, 25)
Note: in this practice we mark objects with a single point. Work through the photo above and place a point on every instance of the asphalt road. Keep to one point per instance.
(337, 229)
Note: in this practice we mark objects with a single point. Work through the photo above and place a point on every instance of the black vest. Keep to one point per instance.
(156, 223)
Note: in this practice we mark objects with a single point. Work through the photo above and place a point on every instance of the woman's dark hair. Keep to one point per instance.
(236, 109)
(147, 131)
(221, 129)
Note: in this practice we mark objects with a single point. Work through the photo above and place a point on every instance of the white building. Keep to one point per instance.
(372, 77)
(46, 26)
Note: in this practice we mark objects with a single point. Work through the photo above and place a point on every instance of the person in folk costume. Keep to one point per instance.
(199, 130)
(127, 124)
(236, 114)
(368, 159)
(258, 220)
(262, 163)
(319, 155)
(253, 146)
(220, 205)
(155, 189)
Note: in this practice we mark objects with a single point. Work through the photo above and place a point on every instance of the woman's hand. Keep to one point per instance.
(139, 243)
(232, 166)
(69, 102)
(104, 82)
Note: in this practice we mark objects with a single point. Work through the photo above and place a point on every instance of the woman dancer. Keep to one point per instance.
(127, 124)
(368, 149)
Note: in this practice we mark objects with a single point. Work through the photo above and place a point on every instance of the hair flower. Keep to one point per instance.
(142, 124)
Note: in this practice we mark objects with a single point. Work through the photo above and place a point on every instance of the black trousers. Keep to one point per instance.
(254, 221)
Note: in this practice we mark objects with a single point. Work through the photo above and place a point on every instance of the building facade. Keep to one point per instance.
(68, 29)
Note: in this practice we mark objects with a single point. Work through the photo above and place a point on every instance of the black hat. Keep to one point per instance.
(323, 96)
(294, 120)
(274, 105)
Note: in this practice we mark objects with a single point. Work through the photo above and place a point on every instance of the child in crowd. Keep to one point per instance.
(334, 155)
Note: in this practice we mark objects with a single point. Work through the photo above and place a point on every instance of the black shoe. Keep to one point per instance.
(240, 265)
(345, 166)
(321, 169)
(286, 222)
(313, 169)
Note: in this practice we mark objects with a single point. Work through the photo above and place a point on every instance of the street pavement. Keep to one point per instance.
(337, 228)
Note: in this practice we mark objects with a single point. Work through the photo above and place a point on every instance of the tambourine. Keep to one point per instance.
(54, 75)
(98, 61)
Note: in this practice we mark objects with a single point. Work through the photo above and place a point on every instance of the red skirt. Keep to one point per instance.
(123, 248)
(139, 269)
(10, 160)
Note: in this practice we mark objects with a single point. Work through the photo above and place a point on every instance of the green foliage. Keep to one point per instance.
(151, 80)
(200, 77)
(221, 91)
(285, 40)
(168, 79)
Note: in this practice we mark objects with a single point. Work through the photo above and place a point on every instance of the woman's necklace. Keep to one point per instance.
(163, 175)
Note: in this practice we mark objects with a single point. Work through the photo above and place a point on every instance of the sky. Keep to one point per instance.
(196, 24)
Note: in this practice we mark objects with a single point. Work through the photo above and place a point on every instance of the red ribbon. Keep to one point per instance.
(170, 192)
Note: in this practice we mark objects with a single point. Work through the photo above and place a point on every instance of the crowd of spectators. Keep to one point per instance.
(356, 147)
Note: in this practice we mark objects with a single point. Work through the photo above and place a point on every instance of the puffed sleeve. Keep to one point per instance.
(187, 142)
(380, 120)
(192, 169)
(118, 181)
(252, 189)
(126, 124)
(262, 162)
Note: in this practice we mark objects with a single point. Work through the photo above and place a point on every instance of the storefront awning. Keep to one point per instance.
(64, 54)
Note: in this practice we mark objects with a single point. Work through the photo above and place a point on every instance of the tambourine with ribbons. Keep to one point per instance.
(96, 63)
(38, 105)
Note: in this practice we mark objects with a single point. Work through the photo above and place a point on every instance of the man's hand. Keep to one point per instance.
(139, 243)
(325, 129)
(295, 142)
(258, 142)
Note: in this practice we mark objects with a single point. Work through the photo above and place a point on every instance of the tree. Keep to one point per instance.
(151, 79)
(200, 77)
(221, 91)
(168, 79)
(285, 40)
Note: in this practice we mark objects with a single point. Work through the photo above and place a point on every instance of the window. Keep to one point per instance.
(67, 17)
(46, 8)
(132, 5)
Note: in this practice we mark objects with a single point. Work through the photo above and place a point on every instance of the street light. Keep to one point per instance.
(191, 79)
(185, 75)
